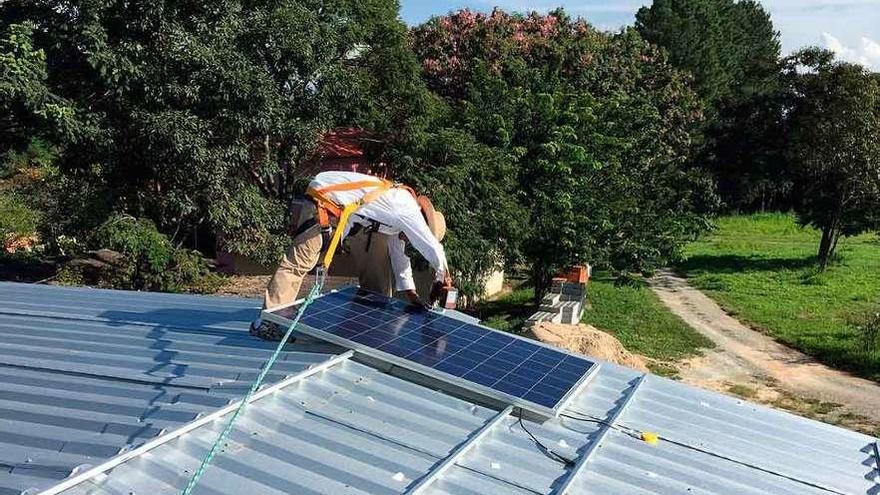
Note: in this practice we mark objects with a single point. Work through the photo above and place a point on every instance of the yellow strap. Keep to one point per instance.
(319, 194)
(337, 234)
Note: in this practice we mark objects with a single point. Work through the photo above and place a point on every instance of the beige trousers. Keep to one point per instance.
(297, 262)
(373, 267)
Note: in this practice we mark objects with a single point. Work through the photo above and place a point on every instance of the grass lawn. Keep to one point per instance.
(639, 320)
(633, 314)
(761, 268)
(509, 311)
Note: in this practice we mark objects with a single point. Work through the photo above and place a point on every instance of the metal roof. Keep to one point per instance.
(359, 428)
(86, 373)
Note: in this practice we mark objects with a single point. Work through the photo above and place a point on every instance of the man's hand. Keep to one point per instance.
(414, 299)
(436, 291)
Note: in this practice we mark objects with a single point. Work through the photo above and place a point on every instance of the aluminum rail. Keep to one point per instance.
(458, 453)
(594, 445)
(198, 423)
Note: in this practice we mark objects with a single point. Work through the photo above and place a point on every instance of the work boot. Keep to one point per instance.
(270, 331)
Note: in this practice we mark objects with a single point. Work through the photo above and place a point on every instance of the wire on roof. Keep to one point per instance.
(631, 432)
(543, 448)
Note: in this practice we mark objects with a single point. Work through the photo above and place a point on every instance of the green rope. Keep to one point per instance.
(316, 289)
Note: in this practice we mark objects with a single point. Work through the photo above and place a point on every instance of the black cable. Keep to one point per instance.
(543, 448)
(637, 435)
(592, 419)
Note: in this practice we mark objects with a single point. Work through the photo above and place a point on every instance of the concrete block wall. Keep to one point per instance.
(563, 304)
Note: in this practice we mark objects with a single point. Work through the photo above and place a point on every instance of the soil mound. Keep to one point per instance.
(588, 340)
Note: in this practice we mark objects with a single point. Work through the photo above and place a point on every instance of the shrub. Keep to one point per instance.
(148, 260)
(868, 325)
(16, 218)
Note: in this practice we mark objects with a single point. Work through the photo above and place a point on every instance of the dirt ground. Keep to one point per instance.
(586, 339)
(752, 365)
(255, 285)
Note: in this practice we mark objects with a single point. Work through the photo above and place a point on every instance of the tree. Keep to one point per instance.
(196, 115)
(599, 127)
(28, 108)
(834, 150)
(729, 46)
(732, 50)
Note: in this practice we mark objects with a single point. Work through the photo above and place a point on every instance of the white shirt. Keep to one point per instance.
(397, 211)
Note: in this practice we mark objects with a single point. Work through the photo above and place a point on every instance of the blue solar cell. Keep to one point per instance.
(314, 321)
(353, 326)
(430, 355)
(468, 333)
(539, 398)
(496, 339)
(459, 360)
(549, 359)
(508, 358)
(556, 382)
(510, 388)
(572, 364)
(489, 370)
(480, 378)
(526, 382)
(451, 368)
(480, 347)
(372, 338)
(401, 347)
(512, 366)
(342, 332)
(535, 367)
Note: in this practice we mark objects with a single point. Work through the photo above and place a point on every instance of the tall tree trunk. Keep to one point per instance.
(541, 278)
(825, 246)
(828, 244)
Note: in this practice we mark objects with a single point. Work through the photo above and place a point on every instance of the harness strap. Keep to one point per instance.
(337, 235)
(327, 207)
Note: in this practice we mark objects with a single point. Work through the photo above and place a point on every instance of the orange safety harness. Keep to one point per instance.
(328, 208)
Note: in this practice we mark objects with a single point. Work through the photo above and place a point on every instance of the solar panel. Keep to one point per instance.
(523, 372)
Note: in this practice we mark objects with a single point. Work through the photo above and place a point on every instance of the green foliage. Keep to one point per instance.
(598, 128)
(16, 218)
(27, 105)
(39, 154)
(729, 46)
(834, 150)
(253, 225)
(509, 311)
(868, 324)
(761, 268)
(149, 260)
(188, 105)
(732, 50)
(471, 184)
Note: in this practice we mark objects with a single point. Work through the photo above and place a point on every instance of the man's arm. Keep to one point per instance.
(416, 230)
(400, 265)
(402, 268)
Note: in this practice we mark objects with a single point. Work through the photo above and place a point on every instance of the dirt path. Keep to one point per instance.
(752, 364)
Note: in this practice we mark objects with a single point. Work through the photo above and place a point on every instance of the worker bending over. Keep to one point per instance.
(387, 209)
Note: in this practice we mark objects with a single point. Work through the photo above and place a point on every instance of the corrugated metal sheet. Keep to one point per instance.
(353, 429)
(80, 388)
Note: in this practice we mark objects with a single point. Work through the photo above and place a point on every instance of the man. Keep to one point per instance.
(393, 211)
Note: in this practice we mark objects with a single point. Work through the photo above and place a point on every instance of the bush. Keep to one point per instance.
(868, 325)
(148, 260)
(16, 218)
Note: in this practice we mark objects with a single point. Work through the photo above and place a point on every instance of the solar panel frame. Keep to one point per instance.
(374, 352)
